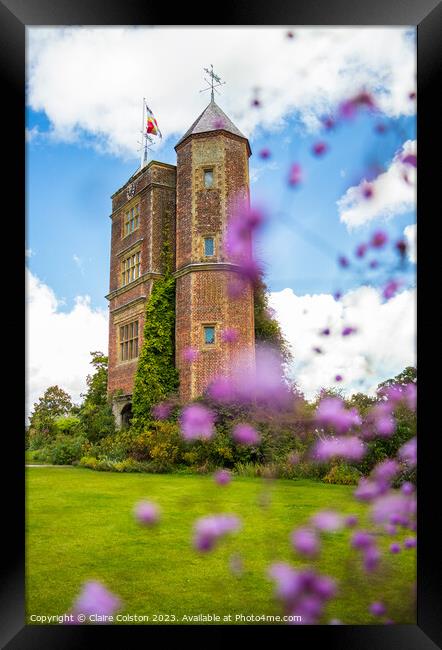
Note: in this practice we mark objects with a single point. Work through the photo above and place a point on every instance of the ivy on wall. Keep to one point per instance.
(156, 376)
(267, 328)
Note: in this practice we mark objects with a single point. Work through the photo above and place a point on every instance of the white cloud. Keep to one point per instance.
(410, 236)
(92, 79)
(58, 343)
(29, 252)
(394, 192)
(382, 346)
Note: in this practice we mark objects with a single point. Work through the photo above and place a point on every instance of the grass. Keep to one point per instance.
(80, 526)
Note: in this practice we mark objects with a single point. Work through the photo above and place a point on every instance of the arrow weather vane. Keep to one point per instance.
(213, 78)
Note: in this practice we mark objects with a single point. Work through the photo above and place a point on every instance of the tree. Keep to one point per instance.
(156, 377)
(55, 402)
(267, 328)
(407, 376)
(96, 411)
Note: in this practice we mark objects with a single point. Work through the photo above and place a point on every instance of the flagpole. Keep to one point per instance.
(142, 137)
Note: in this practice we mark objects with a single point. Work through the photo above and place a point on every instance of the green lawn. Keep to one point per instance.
(80, 526)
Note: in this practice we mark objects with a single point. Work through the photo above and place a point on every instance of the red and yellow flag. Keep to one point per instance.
(151, 126)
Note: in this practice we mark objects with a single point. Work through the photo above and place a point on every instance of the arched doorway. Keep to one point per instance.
(126, 415)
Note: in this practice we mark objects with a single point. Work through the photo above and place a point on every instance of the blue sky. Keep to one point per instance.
(84, 92)
(68, 204)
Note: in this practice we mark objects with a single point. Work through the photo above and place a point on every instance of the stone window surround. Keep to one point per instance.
(120, 325)
(134, 203)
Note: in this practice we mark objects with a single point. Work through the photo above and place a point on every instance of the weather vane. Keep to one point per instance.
(214, 83)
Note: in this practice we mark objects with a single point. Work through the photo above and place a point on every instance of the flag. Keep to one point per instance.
(151, 126)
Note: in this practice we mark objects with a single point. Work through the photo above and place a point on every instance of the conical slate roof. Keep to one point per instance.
(212, 119)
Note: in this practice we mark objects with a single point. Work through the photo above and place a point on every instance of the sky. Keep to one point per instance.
(84, 93)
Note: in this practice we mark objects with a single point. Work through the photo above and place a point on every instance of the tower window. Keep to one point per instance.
(129, 341)
(209, 335)
(208, 178)
(130, 268)
(209, 246)
(131, 220)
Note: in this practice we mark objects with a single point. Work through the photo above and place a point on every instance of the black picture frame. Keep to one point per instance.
(15, 15)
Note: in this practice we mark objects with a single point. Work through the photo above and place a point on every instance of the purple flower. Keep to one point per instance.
(367, 190)
(390, 289)
(395, 548)
(410, 542)
(219, 123)
(288, 581)
(379, 239)
(377, 609)
(328, 123)
(331, 412)
(350, 107)
(351, 448)
(222, 477)
(385, 471)
(197, 422)
(393, 507)
(229, 335)
(327, 520)
(401, 247)
(222, 389)
(408, 452)
(325, 331)
(407, 488)
(242, 224)
(319, 148)
(380, 128)
(244, 434)
(367, 490)
(147, 513)
(372, 557)
(348, 330)
(190, 354)
(161, 411)
(209, 530)
(361, 250)
(362, 540)
(338, 378)
(96, 599)
(295, 175)
(351, 521)
(410, 393)
(374, 264)
(343, 261)
(264, 153)
(410, 159)
(305, 542)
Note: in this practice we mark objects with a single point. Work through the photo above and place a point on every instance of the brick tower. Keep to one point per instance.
(190, 205)
(212, 172)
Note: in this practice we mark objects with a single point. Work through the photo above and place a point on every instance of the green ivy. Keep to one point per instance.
(156, 377)
(267, 328)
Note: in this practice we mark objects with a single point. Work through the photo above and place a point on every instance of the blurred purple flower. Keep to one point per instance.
(343, 261)
(147, 513)
(208, 530)
(96, 599)
(328, 122)
(327, 521)
(367, 190)
(264, 154)
(395, 548)
(197, 422)
(379, 239)
(410, 159)
(348, 330)
(385, 471)
(319, 148)
(362, 540)
(380, 128)
(325, 331)
(222, 389)
(408, 452)
(407, 488)
(368, 490)
(350, 448)
(371, 559)
(229, 335)
(244, 434)
(390, 289)
(377, 609)
(394, 508)
(295, 175)
(361, 250)
(331, 412)
(219, 123)
(222, 477)
(161, 411)
(338, 378)
(351, 521)
(190, 354)
(374, 264)
(410, 542)
(305, 542)
(401, 247)
(350, 107)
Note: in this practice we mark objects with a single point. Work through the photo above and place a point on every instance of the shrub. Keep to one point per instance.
(64, 450)
(343, 474)
(67, 424)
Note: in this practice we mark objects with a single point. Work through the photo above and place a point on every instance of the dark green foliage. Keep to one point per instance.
(54, 403)
(95, 413)
(156, 377)
(267, 328)
(342, 474)
(63, 450)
